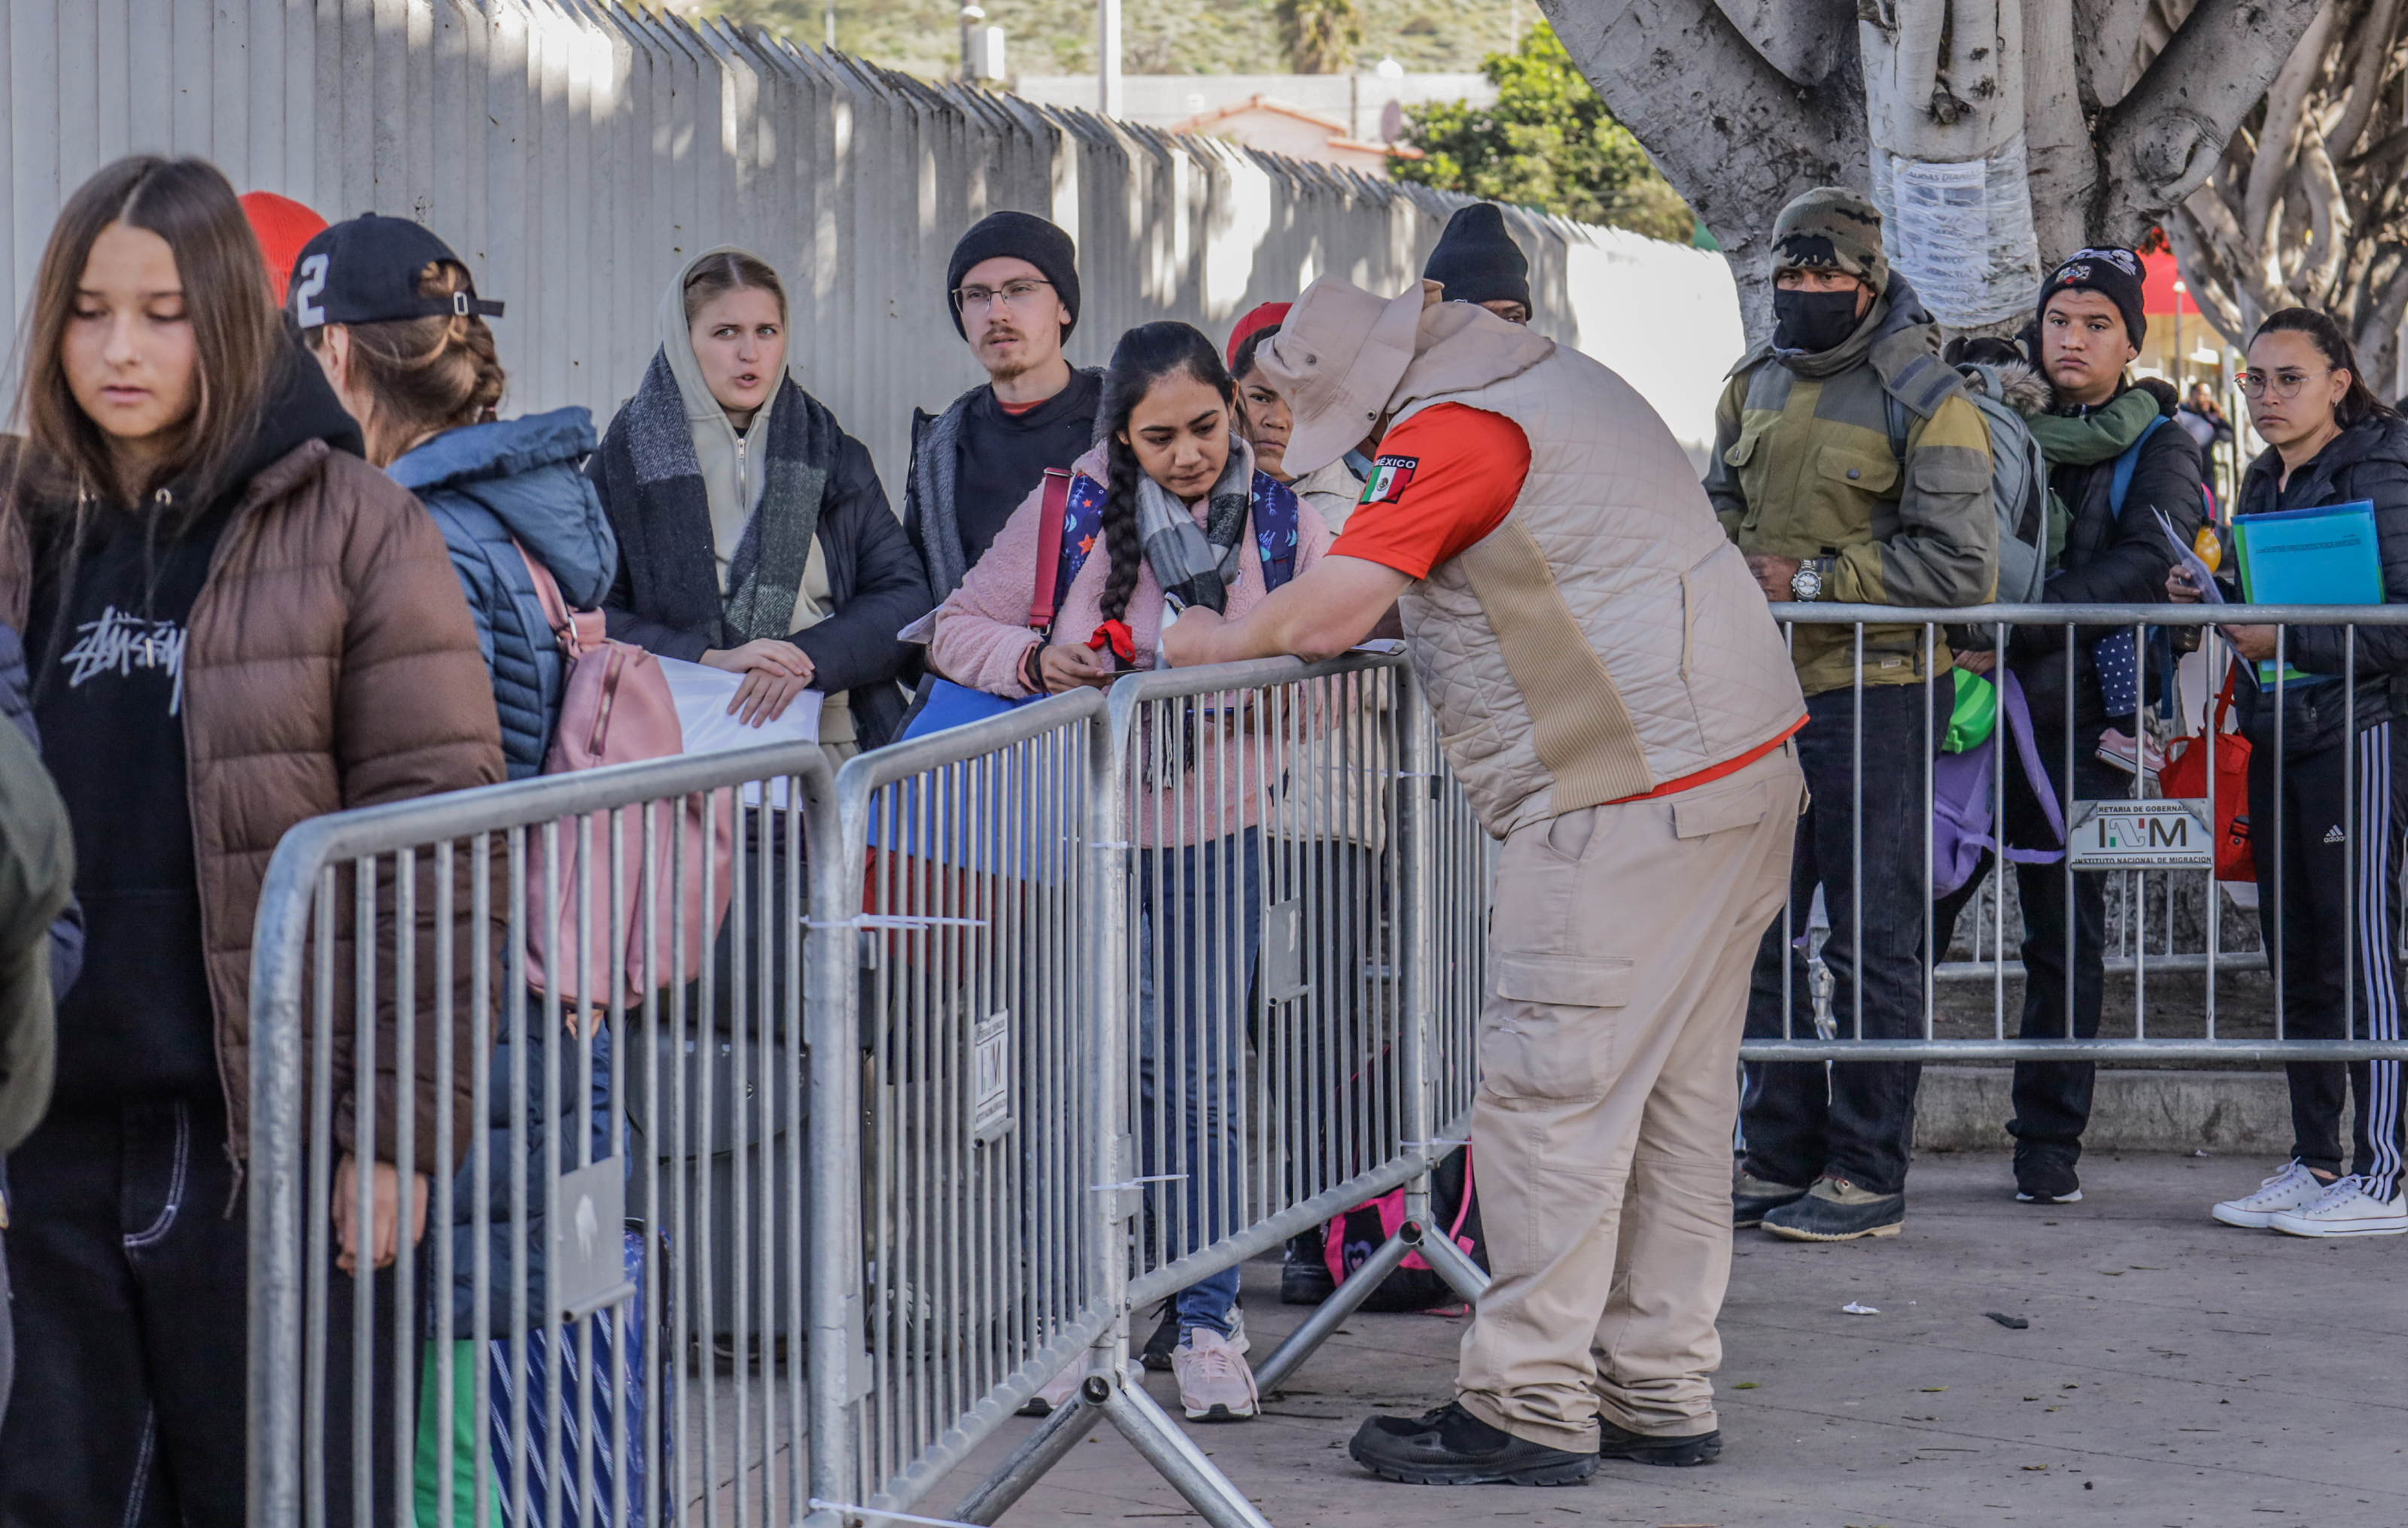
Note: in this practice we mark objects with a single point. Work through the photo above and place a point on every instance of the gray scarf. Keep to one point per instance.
(1197, 564)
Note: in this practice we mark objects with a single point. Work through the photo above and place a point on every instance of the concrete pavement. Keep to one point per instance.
(2176, 1372)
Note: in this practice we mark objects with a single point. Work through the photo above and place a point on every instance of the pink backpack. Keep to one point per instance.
(615, 708)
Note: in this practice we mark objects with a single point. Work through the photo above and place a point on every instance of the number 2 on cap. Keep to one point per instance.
(313, 281)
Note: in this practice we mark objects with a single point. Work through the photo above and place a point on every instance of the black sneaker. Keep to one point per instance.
(1835, 1209)
(1304, 1277)
(1640, 1448)
(1155, 1356)
(2045, 1176)
(1751, 1196)
(1451, 1446)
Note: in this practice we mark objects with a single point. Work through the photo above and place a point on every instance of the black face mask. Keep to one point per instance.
(1813, 321)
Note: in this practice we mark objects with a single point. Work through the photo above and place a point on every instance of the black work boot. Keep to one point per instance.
(1645, 1448)
(1451, 1446)
(1835, 1209)
(1751, 1196)
(1304, 1276)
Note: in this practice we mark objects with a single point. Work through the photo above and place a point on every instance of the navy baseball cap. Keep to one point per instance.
(364, 270)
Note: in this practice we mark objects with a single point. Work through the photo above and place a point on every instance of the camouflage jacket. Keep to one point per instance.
(1805, 465)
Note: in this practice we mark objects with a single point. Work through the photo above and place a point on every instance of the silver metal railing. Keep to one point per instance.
(498, 996)
(2178, 989)
(1106, 995)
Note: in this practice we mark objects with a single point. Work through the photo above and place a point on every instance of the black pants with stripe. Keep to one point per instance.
(130, 1256)
(2342, 811)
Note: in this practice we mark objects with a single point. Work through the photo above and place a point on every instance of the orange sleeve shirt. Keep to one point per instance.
(1443, 479)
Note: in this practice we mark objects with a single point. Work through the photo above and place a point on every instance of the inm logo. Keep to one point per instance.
(2172, 833)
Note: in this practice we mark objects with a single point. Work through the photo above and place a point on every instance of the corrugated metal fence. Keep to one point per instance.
(575, 150)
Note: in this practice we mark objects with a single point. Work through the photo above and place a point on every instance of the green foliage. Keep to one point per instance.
(1322, 35)
(1548, 143)
(1158, 36)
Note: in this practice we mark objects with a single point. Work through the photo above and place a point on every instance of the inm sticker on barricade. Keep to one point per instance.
(991, 1072)
(589, 1217)
(1282, 956)
(2141, 835)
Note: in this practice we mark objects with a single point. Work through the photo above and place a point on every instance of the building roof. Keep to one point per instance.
(1343, 147)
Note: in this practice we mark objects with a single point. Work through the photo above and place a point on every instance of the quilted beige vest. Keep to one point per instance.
(1605, 638)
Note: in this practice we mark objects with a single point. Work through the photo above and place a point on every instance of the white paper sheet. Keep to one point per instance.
(702, 694)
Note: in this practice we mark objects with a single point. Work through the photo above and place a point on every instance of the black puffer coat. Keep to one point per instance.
(2367, 460)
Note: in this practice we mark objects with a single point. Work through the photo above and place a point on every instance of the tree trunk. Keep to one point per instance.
(2023, 129)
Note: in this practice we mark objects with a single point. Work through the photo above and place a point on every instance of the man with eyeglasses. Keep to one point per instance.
(1013, 288)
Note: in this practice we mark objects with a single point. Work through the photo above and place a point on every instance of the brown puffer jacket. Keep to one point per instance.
(332, 663)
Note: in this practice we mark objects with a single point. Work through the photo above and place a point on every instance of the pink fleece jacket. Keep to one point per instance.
(979, 637)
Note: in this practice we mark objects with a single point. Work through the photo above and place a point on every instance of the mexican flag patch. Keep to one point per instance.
(1390, 477)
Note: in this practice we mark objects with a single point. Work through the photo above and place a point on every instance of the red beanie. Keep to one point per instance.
(1267, 316)
(282, 226)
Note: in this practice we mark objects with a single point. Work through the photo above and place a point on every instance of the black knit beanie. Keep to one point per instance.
(2114, 273)
(1477, 261)
(1021, 236)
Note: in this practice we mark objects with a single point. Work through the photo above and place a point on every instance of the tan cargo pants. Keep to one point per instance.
(1609, 1054)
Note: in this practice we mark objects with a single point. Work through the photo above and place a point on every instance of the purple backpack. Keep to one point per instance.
(1961, 796)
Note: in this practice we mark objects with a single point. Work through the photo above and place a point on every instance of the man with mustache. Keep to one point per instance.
(1013, 285)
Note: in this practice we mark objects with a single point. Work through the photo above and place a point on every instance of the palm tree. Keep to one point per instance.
(1321, 34)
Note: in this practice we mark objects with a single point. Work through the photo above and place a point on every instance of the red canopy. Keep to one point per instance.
(2158, 290)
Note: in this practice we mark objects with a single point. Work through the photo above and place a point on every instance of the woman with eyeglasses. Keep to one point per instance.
(2333, 793)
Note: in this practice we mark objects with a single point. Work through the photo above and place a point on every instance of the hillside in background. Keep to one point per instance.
(1160, 36)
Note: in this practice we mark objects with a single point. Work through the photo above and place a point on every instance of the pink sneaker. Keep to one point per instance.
(2118, 749)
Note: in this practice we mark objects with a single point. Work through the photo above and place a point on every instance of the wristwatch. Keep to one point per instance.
(1806, 584)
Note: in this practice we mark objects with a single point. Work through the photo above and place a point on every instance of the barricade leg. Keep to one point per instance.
(1040, 1451)
(1153, 1434)
(1447, 1258)
(1307, 1339)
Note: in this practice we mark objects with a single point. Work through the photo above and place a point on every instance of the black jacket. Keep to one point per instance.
(666, 597)
(2367, 460)
(2109, 560)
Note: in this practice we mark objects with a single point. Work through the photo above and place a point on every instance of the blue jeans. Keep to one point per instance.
(1207, 898)
(1855, 1122)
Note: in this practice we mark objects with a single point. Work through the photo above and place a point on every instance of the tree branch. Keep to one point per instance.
(2365, 78)
(2162, 140)
(1735, 137)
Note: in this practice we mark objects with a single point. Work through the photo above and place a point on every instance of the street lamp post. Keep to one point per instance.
(1108, 57)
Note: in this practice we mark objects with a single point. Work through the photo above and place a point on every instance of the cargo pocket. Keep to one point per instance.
(1551, 1032)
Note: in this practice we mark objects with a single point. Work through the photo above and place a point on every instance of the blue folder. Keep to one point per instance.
(2322, 556)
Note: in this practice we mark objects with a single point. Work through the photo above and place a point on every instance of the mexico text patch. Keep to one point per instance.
(1390, 477)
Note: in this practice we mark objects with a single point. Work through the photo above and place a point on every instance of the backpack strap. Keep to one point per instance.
(2126, 465)
(1275, 529)
(579, 632)
(2019, 727)
(1045, 593)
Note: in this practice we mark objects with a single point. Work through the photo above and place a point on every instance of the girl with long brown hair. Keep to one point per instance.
(235, 623)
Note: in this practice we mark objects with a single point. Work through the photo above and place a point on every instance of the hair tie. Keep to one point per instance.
(1116, 636)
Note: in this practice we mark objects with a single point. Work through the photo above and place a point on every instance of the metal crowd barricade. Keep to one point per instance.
(1183, 953)
(2160, 852)
(1106, 995)
(553, 973)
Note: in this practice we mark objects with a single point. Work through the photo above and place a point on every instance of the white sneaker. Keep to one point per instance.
(1215, 1383)
(2347, 1209)
(1056, 1392)
(2292, 1188)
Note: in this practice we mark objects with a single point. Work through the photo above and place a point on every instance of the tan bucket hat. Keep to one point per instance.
(1339, 356)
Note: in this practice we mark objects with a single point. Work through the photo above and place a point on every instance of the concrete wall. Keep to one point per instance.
(574, 152)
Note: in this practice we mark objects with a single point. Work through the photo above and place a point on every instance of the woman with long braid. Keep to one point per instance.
(1184, 518)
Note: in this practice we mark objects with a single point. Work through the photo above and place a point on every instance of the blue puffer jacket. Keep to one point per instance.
(486, 484)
